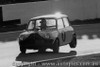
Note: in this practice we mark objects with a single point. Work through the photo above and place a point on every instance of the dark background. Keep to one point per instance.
(17, 1)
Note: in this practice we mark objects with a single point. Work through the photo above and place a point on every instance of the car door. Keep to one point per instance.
(60, 27)
(68, 31)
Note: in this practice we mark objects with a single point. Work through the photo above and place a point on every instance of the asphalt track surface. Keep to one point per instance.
(88, 47)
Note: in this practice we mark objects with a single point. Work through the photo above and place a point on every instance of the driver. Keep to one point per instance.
(43, 24)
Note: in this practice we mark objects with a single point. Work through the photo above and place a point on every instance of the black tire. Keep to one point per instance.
(73, 43)
(42, 50)
(22, 49)
(56, 46)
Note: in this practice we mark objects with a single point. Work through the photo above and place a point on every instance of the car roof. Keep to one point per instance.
(50, 16)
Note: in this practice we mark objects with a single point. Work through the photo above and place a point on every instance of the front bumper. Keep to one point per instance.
(36, 42)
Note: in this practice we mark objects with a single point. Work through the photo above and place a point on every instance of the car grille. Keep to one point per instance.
(35, 36)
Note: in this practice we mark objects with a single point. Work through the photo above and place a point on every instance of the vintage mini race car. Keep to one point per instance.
(47, 31)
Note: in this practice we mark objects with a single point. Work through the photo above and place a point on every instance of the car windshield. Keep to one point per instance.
(42, 24)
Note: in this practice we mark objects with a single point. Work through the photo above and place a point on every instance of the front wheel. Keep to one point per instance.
(73, 43)
(56, 46)
(22, 49)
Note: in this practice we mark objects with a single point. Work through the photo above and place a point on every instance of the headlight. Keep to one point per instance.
(22, 37)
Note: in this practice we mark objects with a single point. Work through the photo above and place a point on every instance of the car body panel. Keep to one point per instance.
(68, 34)
(52, 33)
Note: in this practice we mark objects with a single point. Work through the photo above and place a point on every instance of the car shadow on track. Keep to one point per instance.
(33, 57)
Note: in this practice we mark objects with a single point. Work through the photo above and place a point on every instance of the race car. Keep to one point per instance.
(47, 31)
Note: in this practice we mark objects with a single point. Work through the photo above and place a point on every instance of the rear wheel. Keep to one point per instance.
(56, 46)
(73, 43)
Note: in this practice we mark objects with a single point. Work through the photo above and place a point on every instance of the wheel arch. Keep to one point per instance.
(73, 34)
